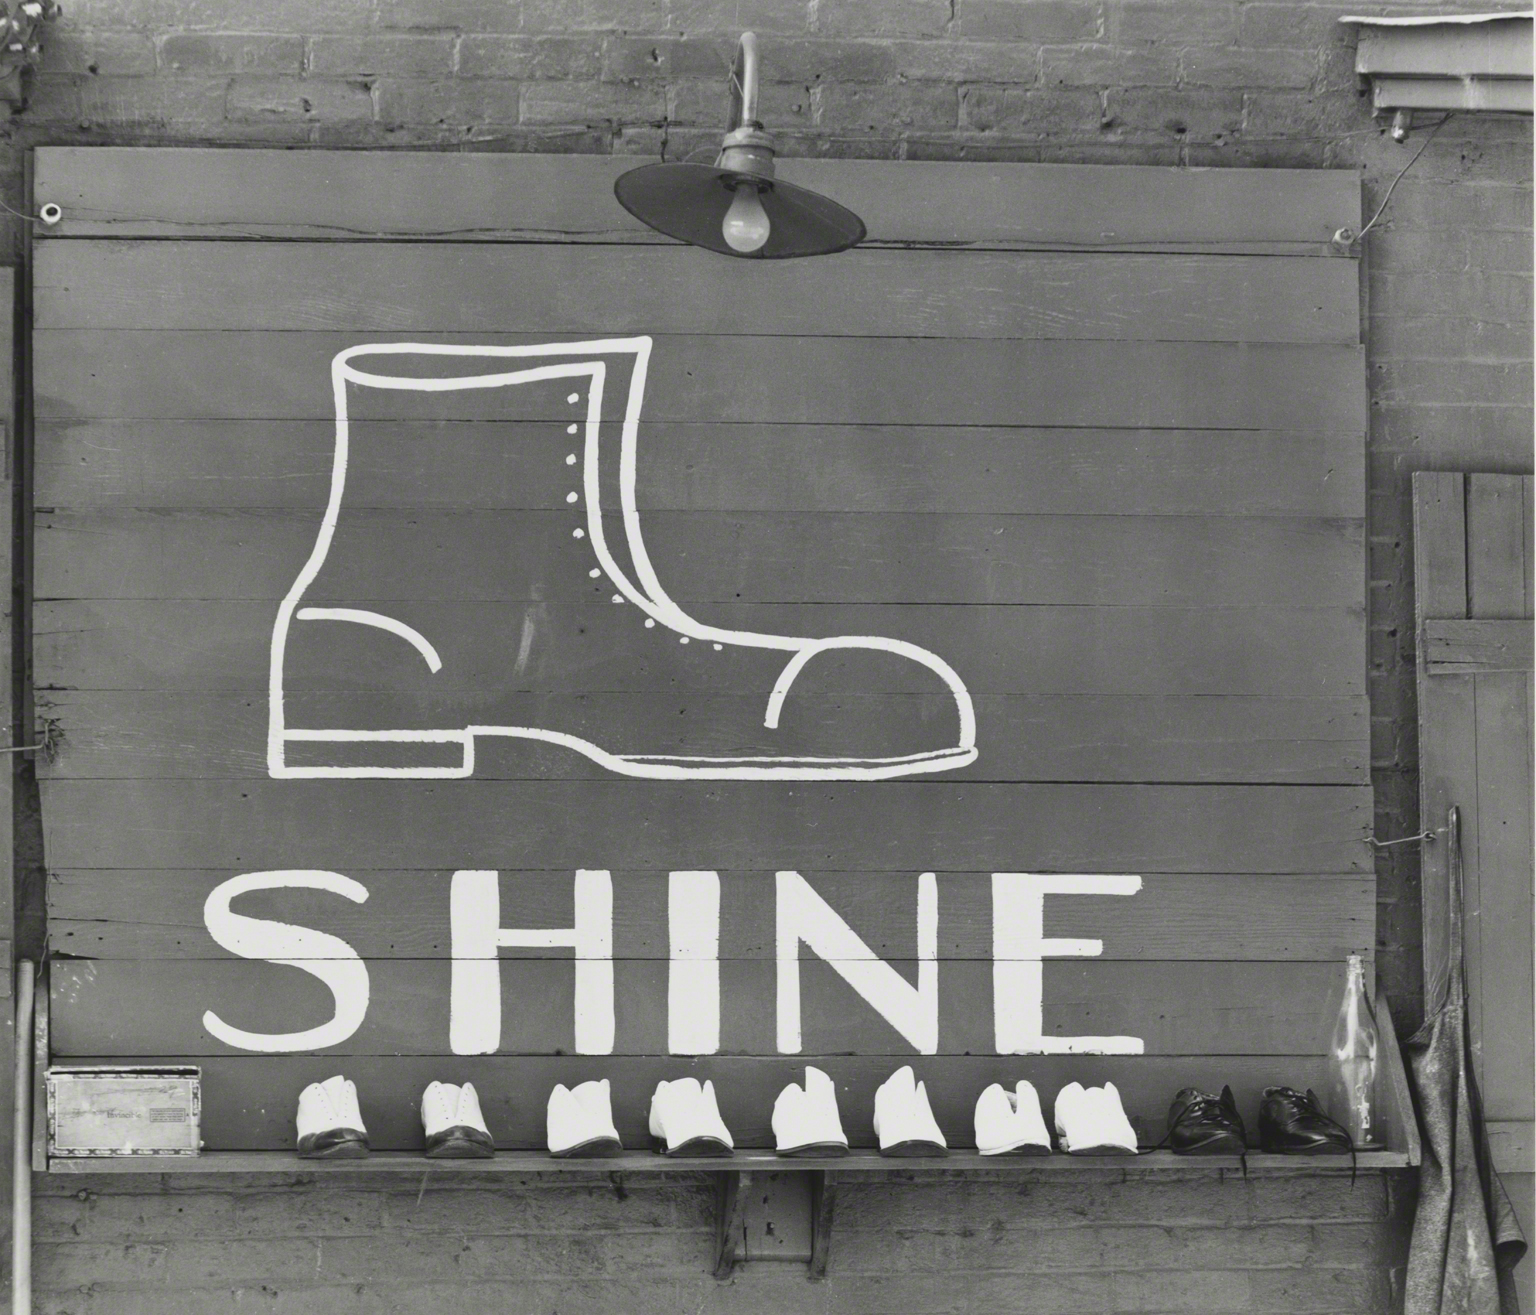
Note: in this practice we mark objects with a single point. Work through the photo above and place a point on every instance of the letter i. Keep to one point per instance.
(693, 977)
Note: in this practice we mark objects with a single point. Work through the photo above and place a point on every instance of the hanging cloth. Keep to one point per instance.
(1466, 1239)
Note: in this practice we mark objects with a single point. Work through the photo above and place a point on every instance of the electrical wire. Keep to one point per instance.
(35, 219)
(1428, 137)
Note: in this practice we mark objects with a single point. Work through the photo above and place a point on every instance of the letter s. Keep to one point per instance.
(321, 955)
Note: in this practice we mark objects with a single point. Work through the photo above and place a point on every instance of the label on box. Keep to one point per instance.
(124, 1112)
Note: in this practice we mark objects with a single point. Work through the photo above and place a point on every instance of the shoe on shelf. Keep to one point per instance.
(329, 1122)
(1294, 1123)
(805, 1120)
(454, 1127)
(1010, 1123)
(580, 1122)
(685, 1120)
(1202, 1124)
(904, 1122)
(1091, 1121)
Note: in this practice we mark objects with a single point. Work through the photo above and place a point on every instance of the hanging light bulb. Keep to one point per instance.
(736, 206)
(746, 227)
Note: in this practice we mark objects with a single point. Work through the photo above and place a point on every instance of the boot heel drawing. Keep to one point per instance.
(319, 628)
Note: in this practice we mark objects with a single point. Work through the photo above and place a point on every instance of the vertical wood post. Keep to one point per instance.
(1440, 590)
(730, 1201)
(21, 1160)
(823, 1212)
(8, 649)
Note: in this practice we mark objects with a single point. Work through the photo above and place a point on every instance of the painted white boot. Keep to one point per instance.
(1091, 1121)
(330, 1125)
(580, 1122)
(452, 1123)
(805, 1120)
(393, 651)
(1010, 1122)
(685, 1120)
(904, 1122)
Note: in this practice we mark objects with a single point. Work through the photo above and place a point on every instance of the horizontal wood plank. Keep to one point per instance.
(249, 1101)
(538, 1164)
(336, 195)
(189, 464)
(1457, 647)
(749, 557)
(605, 290)
(111, 915)
(1126, 652)
(1500, 49)
(149, 1008)
(899, 826)
(108, 914)
(128, 374)
(1103, 737)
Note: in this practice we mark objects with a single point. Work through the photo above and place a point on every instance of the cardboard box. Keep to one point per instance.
(124, 1110)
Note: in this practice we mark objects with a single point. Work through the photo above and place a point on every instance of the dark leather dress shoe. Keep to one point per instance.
(1201, 1124)
(1294, 1123)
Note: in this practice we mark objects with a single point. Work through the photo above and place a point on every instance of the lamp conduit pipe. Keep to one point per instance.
(744, 85)
(21, 1146)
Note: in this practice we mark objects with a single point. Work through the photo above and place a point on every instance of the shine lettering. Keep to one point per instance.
(803, 918)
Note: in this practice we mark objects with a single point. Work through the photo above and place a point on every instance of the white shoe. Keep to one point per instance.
(685, 1120)
(329, 1122)
(580, 1122)
(1010, 1123)
(904, 1122)
(538, 387)
(1092, 1121)
(452, 1123)
(805, 1118)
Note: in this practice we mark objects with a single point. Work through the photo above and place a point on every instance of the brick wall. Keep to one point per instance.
(1186, 82)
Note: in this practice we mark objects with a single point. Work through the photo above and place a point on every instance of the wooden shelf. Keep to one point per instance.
(732, 1176)
(536, 1162)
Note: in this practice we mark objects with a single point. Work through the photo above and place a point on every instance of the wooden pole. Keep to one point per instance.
(21, 1147)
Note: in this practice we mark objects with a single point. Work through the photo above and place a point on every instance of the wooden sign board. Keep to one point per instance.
(534, 650)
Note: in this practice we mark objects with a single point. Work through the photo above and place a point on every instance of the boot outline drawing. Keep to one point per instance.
(645, 591)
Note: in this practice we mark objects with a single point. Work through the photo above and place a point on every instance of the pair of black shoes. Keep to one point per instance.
(1290, 1123)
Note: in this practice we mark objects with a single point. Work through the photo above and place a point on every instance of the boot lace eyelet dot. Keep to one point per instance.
(578, 533)
(718, 647)
(570, 458)
(573, 398)
(570, 497)
(618, 598)
(650, 623)
(594, 572)
(570, 429)
(682, 639)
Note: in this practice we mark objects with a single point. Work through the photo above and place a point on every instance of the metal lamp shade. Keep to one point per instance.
(689, 201)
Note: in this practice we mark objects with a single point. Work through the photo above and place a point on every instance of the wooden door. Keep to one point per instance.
(1472, 576)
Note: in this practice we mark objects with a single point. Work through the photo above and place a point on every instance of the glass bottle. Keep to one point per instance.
(1352, 1060)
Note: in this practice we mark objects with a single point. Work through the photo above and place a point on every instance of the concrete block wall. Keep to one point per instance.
(1246, 83)
(1201, 1242)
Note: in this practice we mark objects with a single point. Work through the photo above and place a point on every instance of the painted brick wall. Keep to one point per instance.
(1178, 82)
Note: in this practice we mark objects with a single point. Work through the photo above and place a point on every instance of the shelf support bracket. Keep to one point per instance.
(823, 1211)
(730, 1201)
